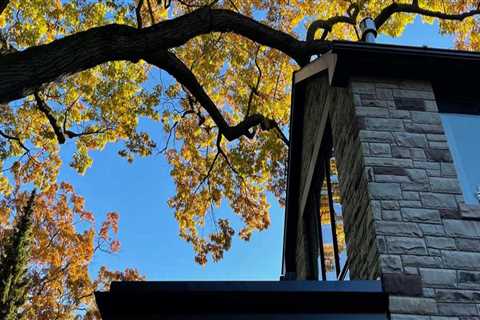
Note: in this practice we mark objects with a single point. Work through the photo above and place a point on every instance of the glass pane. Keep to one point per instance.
(463, 133)
(326, 226)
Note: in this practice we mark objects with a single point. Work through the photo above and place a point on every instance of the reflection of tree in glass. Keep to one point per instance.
(325, 218)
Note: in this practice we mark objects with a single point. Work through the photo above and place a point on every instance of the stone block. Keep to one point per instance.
(413, 186)
(394, 178)
(397, 228)
(390, 205)
(384, 93)
(432, 229)
(385, 162)
(439, 277)
(426, 165)
(431, 106)
(448, 169)
(413, 94)
(408, 317)
(413, 305)
(457, 295)
(404, 245)
(440, 243)
(380, 149)
(401, 284)
(437, 137)
(426, 117)
(391, 215)
(411, 104)
(410, 204)
(468, 244)
(438, 155)
(457, 309)
(390, 263)
(462, 228)
(417, 175)
(438, 145)
(380, 124)
(448, 185)
(400, 114)
(423, 128)
(417, 154)
(412, 140)
(384, 191)
(400, 152)
(420, 215)
(410, 195)
(469, 279)
(421, 261)
(461, 260)
(374, 112)
(438, 200)
(375, 136)
(391, 171)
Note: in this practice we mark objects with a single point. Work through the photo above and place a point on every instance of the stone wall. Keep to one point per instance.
(421, 225)
(403, 208)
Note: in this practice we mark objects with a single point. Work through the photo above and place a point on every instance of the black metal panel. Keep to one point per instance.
(174, 300)
(373, 59)
(292, 196)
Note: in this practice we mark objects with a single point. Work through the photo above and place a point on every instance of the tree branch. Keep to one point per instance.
(138, 13)
(175, 67)
(327, 25)
(17, 139)
(3, 5)
(22, 73)
(390, 10)
(45, 109)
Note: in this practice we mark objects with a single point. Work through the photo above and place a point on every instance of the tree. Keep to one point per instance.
(81, 68)
(14, 265)
(58, 284)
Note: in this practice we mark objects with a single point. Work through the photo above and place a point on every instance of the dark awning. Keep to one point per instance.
(226, 300)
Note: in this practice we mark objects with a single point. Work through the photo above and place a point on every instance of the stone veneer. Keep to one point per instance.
(402, 205)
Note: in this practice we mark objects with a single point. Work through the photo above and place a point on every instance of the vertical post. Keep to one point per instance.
(320, 234)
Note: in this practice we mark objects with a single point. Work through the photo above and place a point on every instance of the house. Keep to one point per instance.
(402, 124)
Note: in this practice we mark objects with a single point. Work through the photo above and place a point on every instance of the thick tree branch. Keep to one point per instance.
(175, 67)
(22, 73)
(3, 5)
(138, 13)
(390, 10)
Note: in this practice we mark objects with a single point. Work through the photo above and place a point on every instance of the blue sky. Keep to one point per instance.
(148, 230)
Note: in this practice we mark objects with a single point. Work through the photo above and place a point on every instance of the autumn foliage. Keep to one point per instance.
(224, 112)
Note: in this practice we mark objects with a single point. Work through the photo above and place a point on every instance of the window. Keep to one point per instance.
(463, 135)
(332, 254)
(332, 248)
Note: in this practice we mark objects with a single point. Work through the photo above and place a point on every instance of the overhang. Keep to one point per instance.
(243, 299)
(346, 59)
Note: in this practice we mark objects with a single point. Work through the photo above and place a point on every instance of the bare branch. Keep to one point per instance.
(23, 72)
(327, 25)
(17, 139)
(209, 171)
(224, 155)
(393, 8)
(43, 107)
(254, 90)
